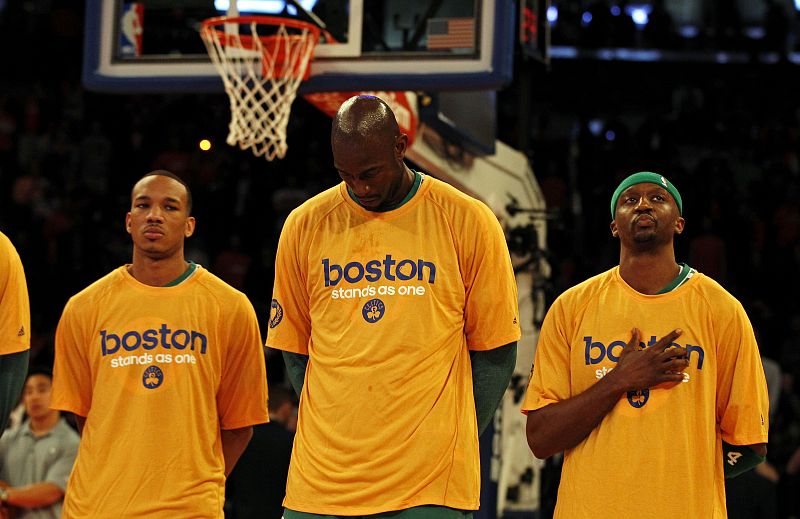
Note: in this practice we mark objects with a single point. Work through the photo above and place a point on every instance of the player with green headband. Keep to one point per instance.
(646, 177)
(647, 375)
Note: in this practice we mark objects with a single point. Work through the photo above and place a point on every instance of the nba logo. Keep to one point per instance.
(130, 29)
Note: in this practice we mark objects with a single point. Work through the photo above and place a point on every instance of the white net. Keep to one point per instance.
(261, 73)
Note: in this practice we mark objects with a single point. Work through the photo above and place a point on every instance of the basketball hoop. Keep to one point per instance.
(261, 69)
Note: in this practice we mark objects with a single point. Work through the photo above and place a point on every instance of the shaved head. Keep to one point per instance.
(365, 119)
(368, 149)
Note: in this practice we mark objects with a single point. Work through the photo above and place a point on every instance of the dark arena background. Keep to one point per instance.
(704, 91)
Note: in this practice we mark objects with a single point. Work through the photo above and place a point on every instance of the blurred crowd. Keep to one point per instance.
(727, 135)
(703, 25)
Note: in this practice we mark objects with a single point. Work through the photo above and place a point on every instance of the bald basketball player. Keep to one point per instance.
(396, 307)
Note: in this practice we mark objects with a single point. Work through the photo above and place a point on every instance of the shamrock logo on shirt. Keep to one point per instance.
(373, 310)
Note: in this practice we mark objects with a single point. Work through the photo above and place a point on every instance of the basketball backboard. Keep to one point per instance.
(154, 45)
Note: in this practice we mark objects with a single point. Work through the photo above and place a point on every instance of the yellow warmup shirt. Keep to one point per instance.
(387, 306)
(657, 454)
(156, 371)
(15, 313)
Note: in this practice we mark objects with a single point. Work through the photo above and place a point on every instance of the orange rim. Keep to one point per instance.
(214, 24)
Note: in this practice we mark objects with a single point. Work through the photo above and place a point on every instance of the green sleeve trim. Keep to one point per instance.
(296, 365)
(13, 372)
(491, 374)
(738, 459)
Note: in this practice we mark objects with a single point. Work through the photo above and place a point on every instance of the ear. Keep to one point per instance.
(400, 146)
(614, 231)
(128, 223)
(680, 223)
(189, 227)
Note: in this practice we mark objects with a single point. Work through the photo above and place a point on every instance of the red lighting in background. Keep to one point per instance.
(529, 25)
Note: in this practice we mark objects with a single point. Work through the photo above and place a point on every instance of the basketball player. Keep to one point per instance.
(161, 362)
(15, 328)
(396, 307)
(648, 376)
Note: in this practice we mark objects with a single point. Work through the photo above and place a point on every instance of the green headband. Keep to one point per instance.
(646, 177)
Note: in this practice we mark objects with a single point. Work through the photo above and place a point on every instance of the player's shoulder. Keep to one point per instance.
(589, 288)
(95, 293)
(457, 203)
(209, 281)
(5, 242)
(7, 249)
(714, 294)
(317, 206)
(216, 289)
(444, 192)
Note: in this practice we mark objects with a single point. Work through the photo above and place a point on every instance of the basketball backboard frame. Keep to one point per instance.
(335, 68)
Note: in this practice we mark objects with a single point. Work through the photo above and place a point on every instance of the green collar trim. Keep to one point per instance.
(418, 177)
(685, 273)
(180, 279)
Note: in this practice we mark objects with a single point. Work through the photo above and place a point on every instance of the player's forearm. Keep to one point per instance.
(491, 373)
(34, 496)
(563, 425)
(234, 442)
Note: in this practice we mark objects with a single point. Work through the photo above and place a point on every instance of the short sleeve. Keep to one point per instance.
(72, 376)
(491, 313)
(289, 319)
(15, 317)
(742, 397)
(550, 374)
(242, 395)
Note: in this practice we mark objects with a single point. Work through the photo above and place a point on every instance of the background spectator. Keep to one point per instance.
(37, 457)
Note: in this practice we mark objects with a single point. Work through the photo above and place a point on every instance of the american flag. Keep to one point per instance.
(451, 33)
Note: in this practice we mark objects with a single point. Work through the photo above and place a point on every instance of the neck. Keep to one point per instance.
(43, 424)
(648, 273)
(157, 272)
(403, 187)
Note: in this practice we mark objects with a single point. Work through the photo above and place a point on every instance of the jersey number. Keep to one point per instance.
(733, 457)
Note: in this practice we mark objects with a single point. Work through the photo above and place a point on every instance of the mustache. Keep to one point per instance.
(648, 216)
